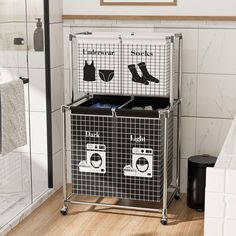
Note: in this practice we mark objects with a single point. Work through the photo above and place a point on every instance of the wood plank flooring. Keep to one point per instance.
(83, 220)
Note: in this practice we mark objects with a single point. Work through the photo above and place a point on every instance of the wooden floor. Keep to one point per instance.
(102, 221)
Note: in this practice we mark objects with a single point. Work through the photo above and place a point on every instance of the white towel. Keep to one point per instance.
(12, 115)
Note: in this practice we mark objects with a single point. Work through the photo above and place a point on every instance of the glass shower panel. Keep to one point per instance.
(15, 171)
(38, 116)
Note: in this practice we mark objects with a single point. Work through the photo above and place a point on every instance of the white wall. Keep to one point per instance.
(209, 78)
(184, 7)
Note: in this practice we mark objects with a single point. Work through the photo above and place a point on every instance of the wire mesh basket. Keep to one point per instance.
(96, 64)
(127, 64)
(120, 154)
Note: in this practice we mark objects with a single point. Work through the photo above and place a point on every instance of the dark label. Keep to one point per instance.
(92, 134)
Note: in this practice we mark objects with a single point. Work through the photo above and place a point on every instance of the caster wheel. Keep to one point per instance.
(163, 221)
(177, 197)
(63, 211)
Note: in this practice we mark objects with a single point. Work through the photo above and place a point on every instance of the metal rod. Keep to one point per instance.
(165, 175)
(171, 71)
(179, 114)
(71, 70)
(115, 206)
(64, 157)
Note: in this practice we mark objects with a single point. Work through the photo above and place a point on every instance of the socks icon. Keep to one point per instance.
(136, 77)
(146, 76)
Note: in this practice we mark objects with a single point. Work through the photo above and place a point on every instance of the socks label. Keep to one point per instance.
(144, 53)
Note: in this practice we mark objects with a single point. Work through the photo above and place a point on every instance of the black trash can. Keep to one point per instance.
(197, 180)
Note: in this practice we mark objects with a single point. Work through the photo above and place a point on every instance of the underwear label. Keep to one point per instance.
(95, 52)
(143, 53)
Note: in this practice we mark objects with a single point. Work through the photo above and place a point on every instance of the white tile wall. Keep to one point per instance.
(188, 136)
(213, 200)
(220, 200)
(55, 11)
(213, 226)
(56, 45)
(212, 185)
(210, 135)
(57, 131)
(57, 87)
(230, 186)
(189, 94)
(216, 96)
(229, 228)
(215, 51)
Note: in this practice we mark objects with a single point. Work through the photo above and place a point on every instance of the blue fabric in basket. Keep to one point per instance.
(104, 105)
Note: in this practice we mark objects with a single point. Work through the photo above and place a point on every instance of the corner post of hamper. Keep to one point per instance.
(65, 110)
(180, 55)
(71, 80)
(171, 71)
(164, 114)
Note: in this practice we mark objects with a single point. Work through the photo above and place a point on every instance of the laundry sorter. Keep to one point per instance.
(120, 128)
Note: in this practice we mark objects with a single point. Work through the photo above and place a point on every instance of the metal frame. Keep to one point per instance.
(175, 103)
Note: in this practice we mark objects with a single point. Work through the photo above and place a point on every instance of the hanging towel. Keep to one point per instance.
(12, 116)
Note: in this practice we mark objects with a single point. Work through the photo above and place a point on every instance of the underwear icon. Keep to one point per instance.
(106, 75)
(89, 71)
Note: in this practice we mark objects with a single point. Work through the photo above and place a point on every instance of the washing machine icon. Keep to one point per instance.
(96, 158)
(142, 159)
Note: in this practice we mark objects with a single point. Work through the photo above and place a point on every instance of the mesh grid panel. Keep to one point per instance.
(157, 61)
(116, 56)
(105, 57)
(97, 130)
(124, 139)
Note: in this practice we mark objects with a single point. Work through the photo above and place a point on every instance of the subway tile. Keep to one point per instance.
(213, 226)
(230, 186)
(57, 88)
(229, 227)
(189, 94)
(56, 43)
(214, 205)
(230, 209)
(223, 160)
(220, 100)
(66, 33)
(55, 10)
(215, 180)
(210, 135)
(188, 136)
(35, 10)
(67, 87)
(57, 131)
(215, 51)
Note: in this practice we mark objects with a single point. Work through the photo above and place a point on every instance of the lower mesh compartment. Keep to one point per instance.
(120, 156)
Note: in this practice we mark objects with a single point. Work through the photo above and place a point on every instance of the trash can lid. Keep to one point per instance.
(202, 161)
